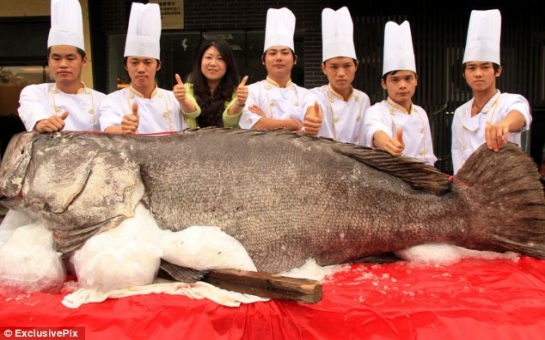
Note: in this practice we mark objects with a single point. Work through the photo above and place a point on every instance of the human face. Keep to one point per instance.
(142, 71)
(66, 64)
(213, 67)
(340, 72)
(481, 76)
(401, 86)
(279, 62)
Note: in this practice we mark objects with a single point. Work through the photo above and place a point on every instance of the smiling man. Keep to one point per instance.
(342, 106)
(142, 107)
(490, 116)
(277, 102)
(66, 104)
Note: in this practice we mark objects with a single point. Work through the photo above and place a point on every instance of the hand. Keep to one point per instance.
(179, 89)
(395, 146)
(52, 124)
(257, 110)
(294, 125)
(242, 92)
(496, 135)
(313, 120)
(130, 122)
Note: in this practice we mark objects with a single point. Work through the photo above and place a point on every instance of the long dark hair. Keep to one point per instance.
(213, 104)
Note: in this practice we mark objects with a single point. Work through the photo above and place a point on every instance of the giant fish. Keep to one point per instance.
(286, 197)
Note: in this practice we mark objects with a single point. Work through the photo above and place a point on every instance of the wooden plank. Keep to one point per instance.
(266, 285)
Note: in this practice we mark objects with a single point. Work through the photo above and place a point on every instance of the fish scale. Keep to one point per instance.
(285, 197)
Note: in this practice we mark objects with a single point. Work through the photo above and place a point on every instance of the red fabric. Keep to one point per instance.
(473, 299)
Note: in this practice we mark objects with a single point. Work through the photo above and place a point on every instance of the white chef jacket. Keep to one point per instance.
(277, 102)
(468, 133)
(41, 101)
(388, 117)
(160, 113)
(342, 120)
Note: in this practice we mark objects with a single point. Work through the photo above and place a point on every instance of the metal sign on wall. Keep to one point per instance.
(172, 13)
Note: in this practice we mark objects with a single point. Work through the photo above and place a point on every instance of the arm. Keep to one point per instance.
(394, 146)
(456, 142)
(231, 115)
(240, 97)
(184, 94)
(112, 111)
(497, 134)
(34, 113)
(129, 124)
(313, 120)
(268, 123)
(373, 122)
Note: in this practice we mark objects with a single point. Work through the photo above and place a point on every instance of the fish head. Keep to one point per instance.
(14, 167)
(78, 184)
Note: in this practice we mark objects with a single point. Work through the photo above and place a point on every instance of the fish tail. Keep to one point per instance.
(508, 198)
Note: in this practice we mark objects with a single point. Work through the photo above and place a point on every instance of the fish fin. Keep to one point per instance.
(508, 197)
(416, 173)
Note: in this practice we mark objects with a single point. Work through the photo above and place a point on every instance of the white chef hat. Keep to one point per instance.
(483, 37)
(280, 28)
(337, 34)
(66, 24)
(144, 32)
(398, 48)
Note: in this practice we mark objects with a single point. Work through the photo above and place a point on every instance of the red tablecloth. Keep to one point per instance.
(473, 299)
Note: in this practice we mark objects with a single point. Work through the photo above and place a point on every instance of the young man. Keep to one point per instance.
(143, 107)
(277, 102)
(66, 104)
(342, 106)
(490, 116)
(396, 124)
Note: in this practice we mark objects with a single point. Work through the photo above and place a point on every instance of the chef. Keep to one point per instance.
(66, 104)
(490, 116)
(277, 102)
(142, 107)
(342, 106)
(396, 124)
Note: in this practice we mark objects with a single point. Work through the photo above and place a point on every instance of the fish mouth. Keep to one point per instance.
(2, 200)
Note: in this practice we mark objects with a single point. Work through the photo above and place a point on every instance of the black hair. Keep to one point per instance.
(125, 59)
(213, 104)
(79, 50)
(355, 61)
(392, 73)
(292, 53)
(495, 66)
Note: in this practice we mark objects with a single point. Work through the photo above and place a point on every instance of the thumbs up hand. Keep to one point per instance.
(52, 124)
(395, 146)
(130, 122)
(187, 102)
(179, 89)
(242, 92)
(313, 120)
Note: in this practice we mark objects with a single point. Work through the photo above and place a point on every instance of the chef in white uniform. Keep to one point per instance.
(396, 124)
(277, 102)
(66, 104)
(342, 106)
(490, 116)
(142, 107)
